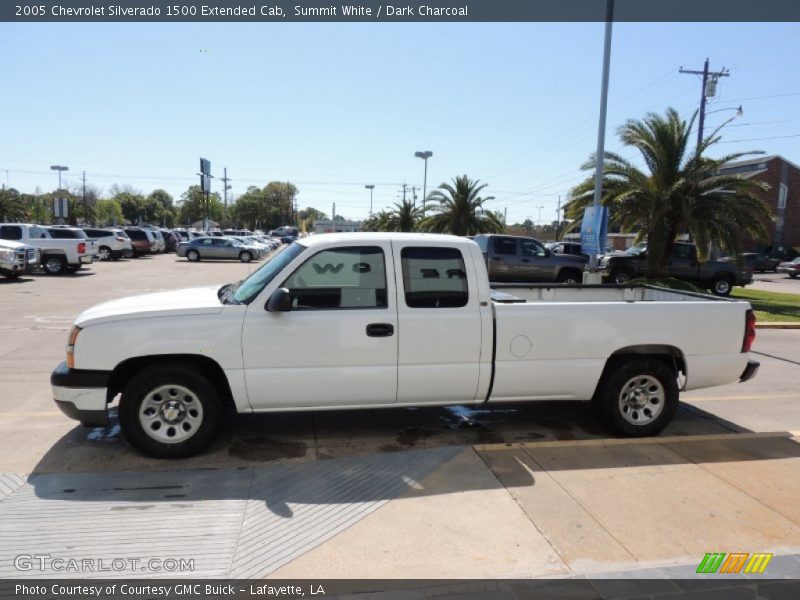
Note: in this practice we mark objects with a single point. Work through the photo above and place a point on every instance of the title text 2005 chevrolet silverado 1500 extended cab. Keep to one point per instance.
(363, 320)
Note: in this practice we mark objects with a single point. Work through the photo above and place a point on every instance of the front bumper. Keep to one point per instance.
(81, 395)
(749, 371)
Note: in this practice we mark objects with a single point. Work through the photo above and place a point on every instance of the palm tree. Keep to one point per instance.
(12, 207)
(458, 209)
(681, 190)
(403, 217)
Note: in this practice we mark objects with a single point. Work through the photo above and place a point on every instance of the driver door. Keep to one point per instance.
(337, 346)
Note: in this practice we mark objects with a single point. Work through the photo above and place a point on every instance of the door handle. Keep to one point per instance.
(380, 329)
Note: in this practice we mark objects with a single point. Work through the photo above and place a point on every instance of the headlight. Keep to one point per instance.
(73, 338)
(6, 254)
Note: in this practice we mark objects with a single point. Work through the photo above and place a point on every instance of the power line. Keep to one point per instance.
(778, 137)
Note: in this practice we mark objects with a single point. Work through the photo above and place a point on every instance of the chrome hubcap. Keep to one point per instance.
(104, 254)
(723, 287)
(641, 400)
(171, 413)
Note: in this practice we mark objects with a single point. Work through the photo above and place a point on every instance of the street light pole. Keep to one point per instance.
(539, 219)
(59, 168)
(424, 155)
(370, 188)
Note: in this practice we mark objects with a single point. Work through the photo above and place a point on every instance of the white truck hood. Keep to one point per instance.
(9, 245)
(190, 301)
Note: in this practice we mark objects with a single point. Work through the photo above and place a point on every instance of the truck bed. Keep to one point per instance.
(520, 293)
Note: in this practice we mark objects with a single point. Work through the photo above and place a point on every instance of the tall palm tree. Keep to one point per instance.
(458, 209)
(12, 207)
(681, 190)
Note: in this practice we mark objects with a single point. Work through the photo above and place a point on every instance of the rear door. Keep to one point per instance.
(439, 348)
(503, 258)
(533, 262)
(682, 262)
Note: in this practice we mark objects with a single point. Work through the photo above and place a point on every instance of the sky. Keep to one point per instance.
(332, 107)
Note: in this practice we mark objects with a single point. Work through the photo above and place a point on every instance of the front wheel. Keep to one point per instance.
(105, 253)
(245, 256)
(621, 276)
(570, 277)
(722, 285)
(639, 398)
(170, 411)
(193, 255)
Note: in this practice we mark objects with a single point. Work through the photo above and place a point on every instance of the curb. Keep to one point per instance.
(779, 325)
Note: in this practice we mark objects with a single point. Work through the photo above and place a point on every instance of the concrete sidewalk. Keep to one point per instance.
(542, 509)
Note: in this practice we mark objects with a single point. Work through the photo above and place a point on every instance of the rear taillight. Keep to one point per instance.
(749, 330)
(81, 247)
(120, 239)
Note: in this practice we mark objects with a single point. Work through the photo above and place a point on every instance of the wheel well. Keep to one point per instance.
(724, 275)
(208, 367)
(570, 270)
(669, 355)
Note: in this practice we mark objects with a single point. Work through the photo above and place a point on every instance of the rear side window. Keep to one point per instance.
(10, 232)
(434, 277)
(503, 245)
(67, 234)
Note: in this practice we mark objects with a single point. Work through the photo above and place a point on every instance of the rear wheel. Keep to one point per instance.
(105, 253)
(245, 256)
(639, 398)
(722, 285)
(170, 411)
(193, 255)
(54, 264)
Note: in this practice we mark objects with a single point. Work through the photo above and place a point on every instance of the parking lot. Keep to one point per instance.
(534, 489)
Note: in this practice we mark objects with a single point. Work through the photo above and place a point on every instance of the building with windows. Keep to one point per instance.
(783, 197)
(337, 226)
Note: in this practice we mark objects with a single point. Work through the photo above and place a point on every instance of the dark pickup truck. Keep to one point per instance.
(719, 276)
(522, 259)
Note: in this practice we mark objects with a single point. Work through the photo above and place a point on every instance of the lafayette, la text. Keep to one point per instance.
(166, 591)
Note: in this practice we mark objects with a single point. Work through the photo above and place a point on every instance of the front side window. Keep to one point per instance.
(351, 277)
(434, 277)
(532, 248)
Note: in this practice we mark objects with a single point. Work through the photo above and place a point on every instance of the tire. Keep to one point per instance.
(722, 285)
(105, 253)
(570, 277)
(193, 256)
(621, 276)
(170, 411)
(793, 275)
(54, 264)
(245, 256)
(651, 409)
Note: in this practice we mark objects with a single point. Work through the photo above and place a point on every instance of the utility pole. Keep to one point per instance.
(225, 186)
(709, 88)
(84, 195)
(404, 193)
(558, 218)
(505, 215)
(414, 195)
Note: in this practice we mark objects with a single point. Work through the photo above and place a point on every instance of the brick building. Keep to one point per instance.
(783, 197)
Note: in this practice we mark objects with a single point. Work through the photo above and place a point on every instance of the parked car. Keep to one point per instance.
(719, 276)
(142, 240)
(407, 320)
(17, 259)
(181, 235)
(759, 263)
(170, 240)
(112, 243)
(217, 248)
(57, 256)
(522, 259)
(159, 246)
(791, 268)
(286, 234)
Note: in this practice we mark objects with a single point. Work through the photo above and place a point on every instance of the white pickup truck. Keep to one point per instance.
(57, 255)
(16, 258)
(344, 321)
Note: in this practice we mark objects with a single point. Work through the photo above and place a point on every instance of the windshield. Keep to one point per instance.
(252, 286)
(636, 250)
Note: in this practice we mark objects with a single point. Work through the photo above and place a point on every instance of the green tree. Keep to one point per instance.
(12, 205)
(131, 201)
(307, 216)
(458, 209)
(680, 190)
(159, 208)
(192, 206)
(108, 212)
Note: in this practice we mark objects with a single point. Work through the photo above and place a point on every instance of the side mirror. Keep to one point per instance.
(280, 301)
(548, 253)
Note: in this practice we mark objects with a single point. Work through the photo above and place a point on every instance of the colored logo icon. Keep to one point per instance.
(736, 562)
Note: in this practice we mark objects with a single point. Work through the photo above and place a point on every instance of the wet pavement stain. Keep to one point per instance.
(411, 435)
(264, 448)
